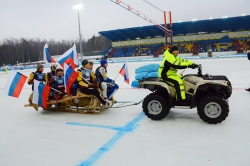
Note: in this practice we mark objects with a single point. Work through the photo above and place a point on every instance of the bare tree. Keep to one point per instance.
(25, 50)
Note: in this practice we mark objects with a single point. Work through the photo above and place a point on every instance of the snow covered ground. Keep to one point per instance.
(125, 136)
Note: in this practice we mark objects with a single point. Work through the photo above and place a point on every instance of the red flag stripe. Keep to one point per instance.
(19, 86)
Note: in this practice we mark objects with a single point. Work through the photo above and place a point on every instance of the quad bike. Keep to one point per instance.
(206, 92)
(81, 103)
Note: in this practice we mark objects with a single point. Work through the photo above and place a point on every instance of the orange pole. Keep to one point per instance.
(171, 32)
(166, 34)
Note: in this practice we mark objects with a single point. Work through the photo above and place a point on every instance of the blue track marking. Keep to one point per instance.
(94, 125)
(129, 127)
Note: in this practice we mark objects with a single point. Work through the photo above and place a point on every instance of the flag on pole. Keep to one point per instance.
(40, 94)
(69, 77)
(124, 72)
(69, 57)
(46, 55)
(75, 55)
(14, 84)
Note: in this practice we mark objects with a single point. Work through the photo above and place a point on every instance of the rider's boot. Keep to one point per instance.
(182, 103)
(108, 104)
(185, 102)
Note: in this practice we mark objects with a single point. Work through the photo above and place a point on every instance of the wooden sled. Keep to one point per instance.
(81, 103)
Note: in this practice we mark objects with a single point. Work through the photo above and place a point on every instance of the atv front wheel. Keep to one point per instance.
(155, 107)
(213, 110)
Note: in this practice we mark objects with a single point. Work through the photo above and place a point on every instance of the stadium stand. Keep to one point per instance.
(222, 34)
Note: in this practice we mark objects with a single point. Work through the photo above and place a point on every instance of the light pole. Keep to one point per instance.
(78, 7)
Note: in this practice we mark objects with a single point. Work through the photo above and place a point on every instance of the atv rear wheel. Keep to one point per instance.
(155, 107)
(213, 110)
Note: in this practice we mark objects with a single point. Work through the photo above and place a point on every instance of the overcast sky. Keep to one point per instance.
(56, 19)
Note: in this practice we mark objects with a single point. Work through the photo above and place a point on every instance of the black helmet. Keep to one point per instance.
(84, 62)
(173, 48)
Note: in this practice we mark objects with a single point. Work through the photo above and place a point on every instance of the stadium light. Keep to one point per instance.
(243, 14)
(180, 21)
(78, 6)
(210, 18)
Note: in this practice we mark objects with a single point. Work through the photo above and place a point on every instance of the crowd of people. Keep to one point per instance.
(88, 81)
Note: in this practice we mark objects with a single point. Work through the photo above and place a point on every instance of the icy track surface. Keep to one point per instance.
(125, 136)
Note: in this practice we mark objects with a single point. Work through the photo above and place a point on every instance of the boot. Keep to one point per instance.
(248, 89)
(108, 104)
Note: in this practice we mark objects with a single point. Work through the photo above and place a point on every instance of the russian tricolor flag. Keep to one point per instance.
(40, 94)
(46, 55)
(124, 72)
(69, 77)
(69, 57)
(14, 84)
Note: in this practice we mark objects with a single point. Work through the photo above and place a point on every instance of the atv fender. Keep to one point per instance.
(160, 88)
(153, 85)
(219, 83)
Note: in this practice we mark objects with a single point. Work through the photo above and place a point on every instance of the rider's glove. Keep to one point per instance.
(193, 66)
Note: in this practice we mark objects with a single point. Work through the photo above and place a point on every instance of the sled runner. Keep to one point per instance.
(81, 103)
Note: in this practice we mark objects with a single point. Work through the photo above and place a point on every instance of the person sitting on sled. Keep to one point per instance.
(57, 83)
(52, 73)
(108, 86)
(38, 75)
(88, 83)
(50, 76)
(91, 65)
(75, 84)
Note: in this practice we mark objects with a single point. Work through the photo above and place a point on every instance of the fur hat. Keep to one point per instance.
(85, 62)
(39, 66)
(103, 62)
(173, 48)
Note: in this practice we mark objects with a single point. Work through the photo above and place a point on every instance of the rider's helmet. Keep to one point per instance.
(173, 48)
(59, 68)
(53, 65)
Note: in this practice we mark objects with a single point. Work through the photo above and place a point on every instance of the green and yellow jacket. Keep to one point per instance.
(171, 63)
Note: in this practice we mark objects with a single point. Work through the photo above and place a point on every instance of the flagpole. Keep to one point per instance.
(86, 80)
(117, 75)
(119, 71)
(55, 90)
(52, 88)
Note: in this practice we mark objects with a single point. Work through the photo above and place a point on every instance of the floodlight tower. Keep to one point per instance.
(78, 7)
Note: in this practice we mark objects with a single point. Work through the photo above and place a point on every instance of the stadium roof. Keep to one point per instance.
(181, 28)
